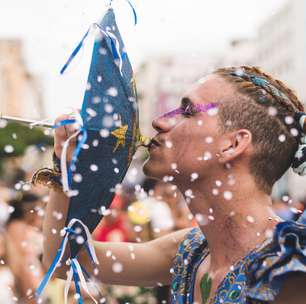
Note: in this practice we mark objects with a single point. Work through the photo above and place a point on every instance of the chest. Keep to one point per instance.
(206, 283)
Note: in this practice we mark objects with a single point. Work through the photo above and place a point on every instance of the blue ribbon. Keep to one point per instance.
(74, 53)
(64, 123)
(134, 12)
(76, 153)
(79, 46)
(47, 276)
(132, 7)
(76, 282)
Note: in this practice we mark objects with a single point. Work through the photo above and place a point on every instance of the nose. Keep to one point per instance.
(162, 124)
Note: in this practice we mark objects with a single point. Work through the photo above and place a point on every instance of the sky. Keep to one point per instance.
(50, 29)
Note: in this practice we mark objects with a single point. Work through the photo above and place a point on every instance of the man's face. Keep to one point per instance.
(187, 145)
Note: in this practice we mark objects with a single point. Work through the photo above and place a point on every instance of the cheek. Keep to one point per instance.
(195, 151)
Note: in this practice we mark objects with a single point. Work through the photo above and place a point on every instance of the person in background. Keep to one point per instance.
(114, 226)
(7, 280)
(24, 244)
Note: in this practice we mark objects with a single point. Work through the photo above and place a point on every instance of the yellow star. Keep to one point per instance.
(120, 134)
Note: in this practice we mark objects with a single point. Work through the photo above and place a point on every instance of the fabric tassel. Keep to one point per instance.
(76, 271)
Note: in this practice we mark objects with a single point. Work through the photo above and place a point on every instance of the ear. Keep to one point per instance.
(234, 144)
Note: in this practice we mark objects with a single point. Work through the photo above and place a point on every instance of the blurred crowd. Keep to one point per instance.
(137, 214)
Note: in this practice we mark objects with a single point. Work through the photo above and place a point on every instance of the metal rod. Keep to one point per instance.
(28, 122)
(143, 140)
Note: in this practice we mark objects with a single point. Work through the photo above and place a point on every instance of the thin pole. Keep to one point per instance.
(29, 122)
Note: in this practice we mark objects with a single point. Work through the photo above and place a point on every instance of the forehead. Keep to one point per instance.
(212, 88)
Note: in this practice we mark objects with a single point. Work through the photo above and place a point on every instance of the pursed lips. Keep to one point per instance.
(154, 142)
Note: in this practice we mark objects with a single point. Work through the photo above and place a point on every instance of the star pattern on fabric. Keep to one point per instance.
(120, 134)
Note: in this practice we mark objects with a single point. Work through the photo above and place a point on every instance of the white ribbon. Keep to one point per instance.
(68, 284)
(117, 45)
(64, 169)
(82, 279)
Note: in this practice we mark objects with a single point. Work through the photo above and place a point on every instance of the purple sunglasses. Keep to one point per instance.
(190, 109)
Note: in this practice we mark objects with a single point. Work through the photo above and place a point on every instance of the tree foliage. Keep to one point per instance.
(15, 138)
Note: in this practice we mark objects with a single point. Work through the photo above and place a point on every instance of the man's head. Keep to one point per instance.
(253, 127)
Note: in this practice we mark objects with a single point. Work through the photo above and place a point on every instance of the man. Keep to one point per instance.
(231, 138)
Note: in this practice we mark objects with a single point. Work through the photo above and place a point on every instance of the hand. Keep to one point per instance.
(61, 135)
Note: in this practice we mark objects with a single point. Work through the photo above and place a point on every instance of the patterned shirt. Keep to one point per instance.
(255, 279)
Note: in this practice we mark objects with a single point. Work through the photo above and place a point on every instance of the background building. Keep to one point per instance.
(281, 45)
(20, 93)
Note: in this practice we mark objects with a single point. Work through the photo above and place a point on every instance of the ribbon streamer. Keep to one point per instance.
(114, 43)
(109, 4)
(75, 270)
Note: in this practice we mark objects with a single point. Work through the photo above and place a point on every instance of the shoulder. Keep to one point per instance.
(280, 266)
(171, 241)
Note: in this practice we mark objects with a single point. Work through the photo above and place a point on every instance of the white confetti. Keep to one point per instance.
(189, 193)
(169, 144)
(218, 183)
(137, 228)
(3, 123)
(95, 143)
(96, 99)
(209, 140)
(207, 156)
(215, 191)
(77, 177)
(250, 219)
(212, 112)
(211, 218)
(112, 91)
(10, 209)
(8, 149)
(201, 219)
(117, 267)
(80, 240)
(228, 195)
(294, 132)
(91, 112)
(104, 133)
(289, 120)
(107, 121)
(108, 108)
(282, 138)
(94, 167)
(272, 111)
(194, 176)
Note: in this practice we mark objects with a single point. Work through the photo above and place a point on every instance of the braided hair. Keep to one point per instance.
(268, 108)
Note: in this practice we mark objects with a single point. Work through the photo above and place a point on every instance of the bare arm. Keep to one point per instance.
(23, 262)
(143, 264)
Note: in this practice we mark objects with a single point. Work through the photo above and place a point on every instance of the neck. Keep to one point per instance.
(233, 221)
